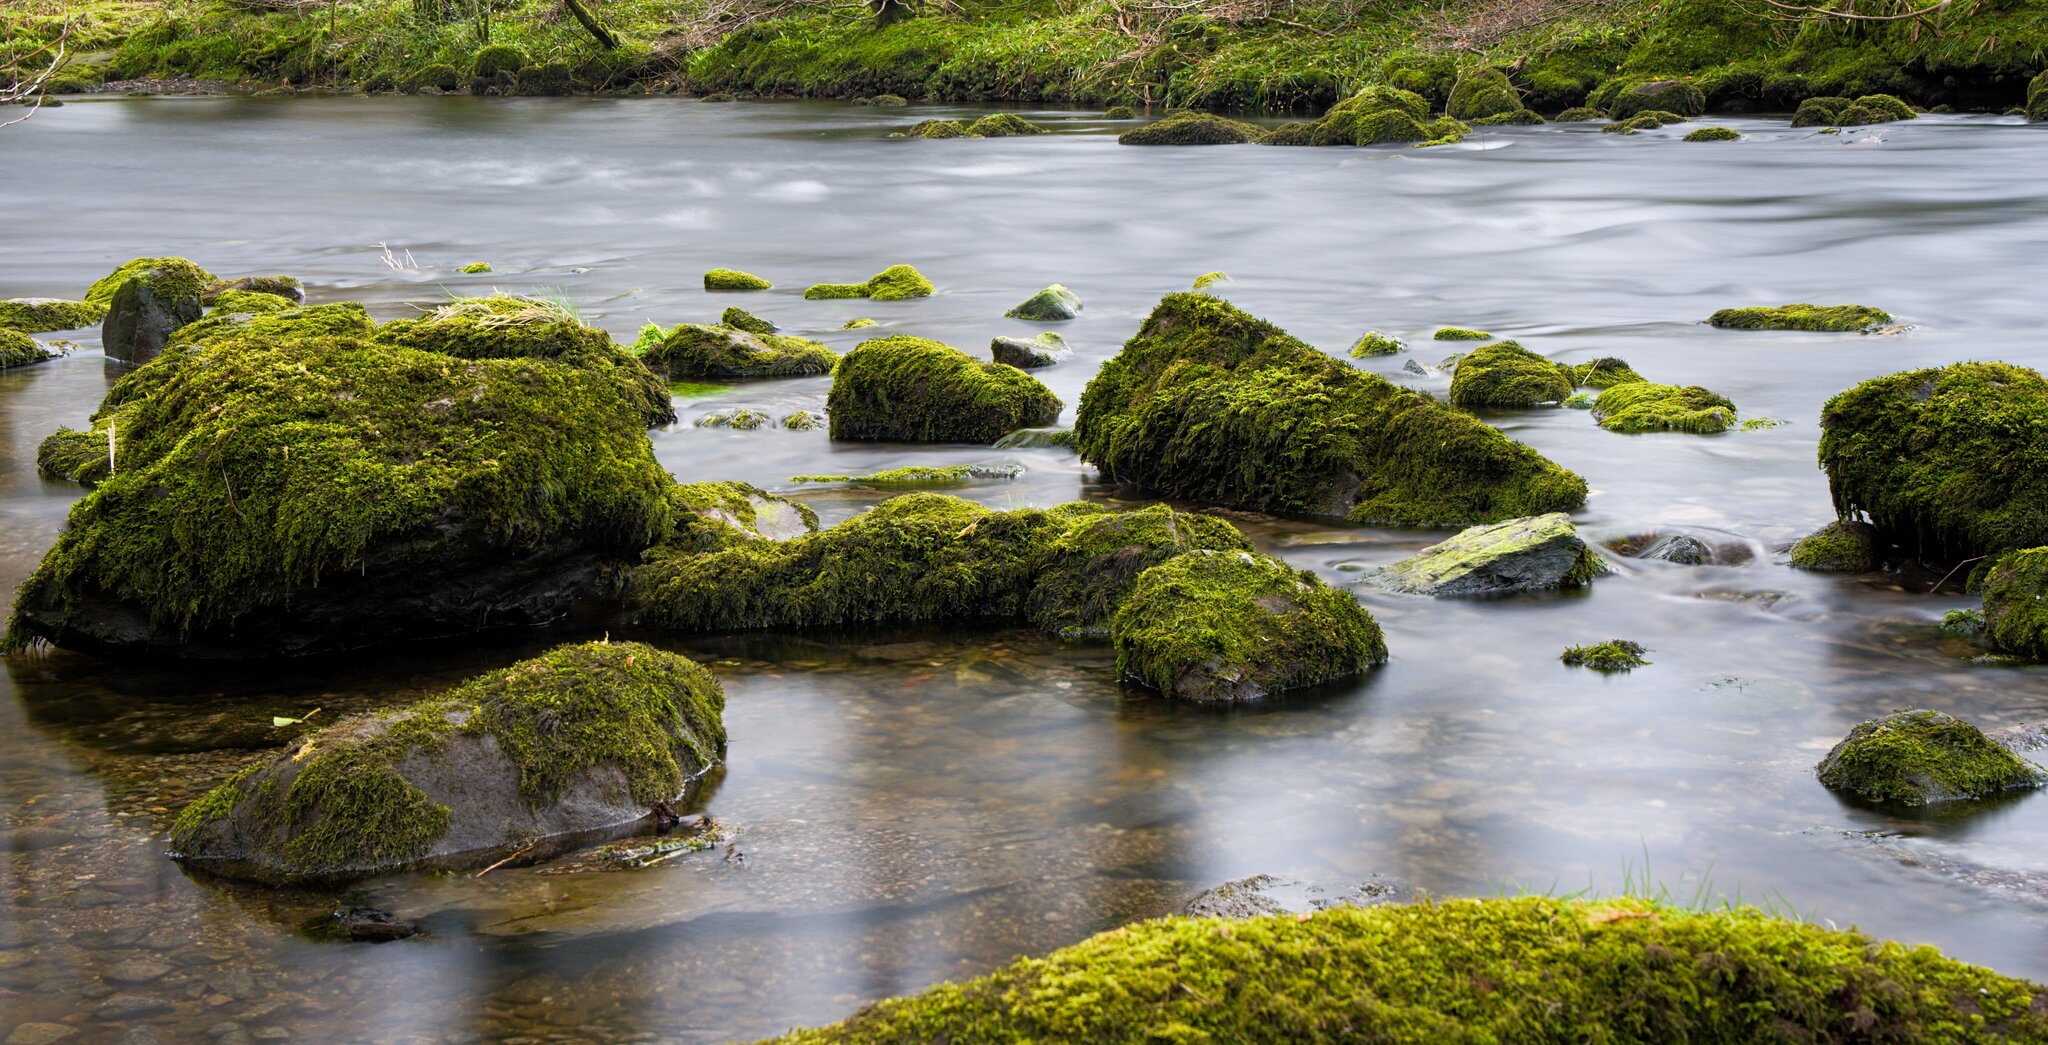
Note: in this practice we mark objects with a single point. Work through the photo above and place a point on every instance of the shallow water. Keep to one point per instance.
(913, 805)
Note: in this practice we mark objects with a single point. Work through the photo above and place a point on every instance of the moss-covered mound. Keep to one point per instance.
(19, 349)
(2016, 603)
(1374, 343)
(1506, 374)
(2037, 98)
(936, 130)
(103, 289)
(279, 489)
(1511, 118)
(42, 315)
(895, 283)
(1714, 134)
(734, 279)
(1004, 125)
(914, 390)
(1642, 406)
(694, 350)
(1231, 627)
(1482, 93)
(1949, 462)
(286, 287)
(1193, 128)
(741, 319)
(1531, 969)
(1624, 100)
(1210, 403)
(1801, 317)
(1460, 334)
(1119, 112)
(1605, 372)
(1377, 115)
(250, 301)
(532, 758)
(1842, 546)
(1052, 305)
(1844, 112)
(1088, 567)
(1612, 655)
(1920, 757)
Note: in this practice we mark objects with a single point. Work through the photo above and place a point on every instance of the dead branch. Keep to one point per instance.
(34, 90)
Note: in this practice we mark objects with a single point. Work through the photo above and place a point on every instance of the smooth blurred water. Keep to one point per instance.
(923, 804)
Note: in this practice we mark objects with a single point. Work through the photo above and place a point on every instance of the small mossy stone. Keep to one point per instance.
(1842, 546)
(1888, 106)
(889, 101)
(43, 315)
(803, 421)
(1027, 353)
(18, 349)
(741, 319)
(103, 289)
(1676, 96)
(694, 351)
(834, 291)
(1193, 128)
(1387, 127)
(1920, 757)
(899, 283)
(1836, 318)
(547, 79)
(860, 323)
(1482, 92)
(498, 58)
(1379, 97)
(1605, 372)
(1054, 304)
(1644, 406)
(1374, 343)
(1511, 118)
(1505, 374)
(1120, 112)
(741, 418)
(1539, 553)
(1291, 133)
(1460, 334)
(1819, 112)
(939, 129)
(1714, 134)
(286, 287)
(2016, 603)
(1609, 656)
(734, 279)
(914, 390)
(1857, 115)
(1004, 125)
(1579, 114)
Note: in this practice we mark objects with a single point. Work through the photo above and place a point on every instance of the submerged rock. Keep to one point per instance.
(1051, 305)
(148, 306)
(1541, 553)
(1920, 757)
(1029, 353)
(1682, 549)
(1193, 128)
(1842, 546)
(914, 390)
(1642, 406)
(1209, 403)
(2016, 603)
(1839, 318)
(1507, 375)
(895, 283)
(694, 350)
(42, 315)
(526, 762)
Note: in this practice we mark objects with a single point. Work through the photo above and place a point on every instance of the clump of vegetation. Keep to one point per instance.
(1508, 375)
(1624, 100)
(1053, 304)
(734, 279)
(1604, 372)
(743, 418)
(42, 315)
(858, 324)
(1962, 624)
(919, 475)
(1210, 279)
(895, 283)
(1612, 655)
(803, 421)
(1089, 566)
(1919, 757)
(1843, 112)
(1209, 403)
(915, 390)
(740, 319)
(1641, 406)
(1460, 334)
(250, 301)
(1482, 93)
(286, 287)
(2016, 603)
(1842, 546)
(1374, 343)
(1521, 969)
(935, 130)
(1193, 128)
(694, 350)
(1579, 114)
(1714, 134)
(19, 349)
(1801, 317)
(1003, 125)
(507, 327)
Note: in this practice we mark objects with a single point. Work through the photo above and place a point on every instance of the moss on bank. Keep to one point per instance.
(1919, 757)
(1530, 969)
(916, 390)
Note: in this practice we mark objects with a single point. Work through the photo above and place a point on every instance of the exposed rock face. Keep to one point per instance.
(1540, 553)
(149, 306)
(1920, 757)
(532, 759)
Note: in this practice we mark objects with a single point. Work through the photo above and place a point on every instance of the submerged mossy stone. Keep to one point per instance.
(148, 306)
(1506, 374)
(1819, 112)
(1579, 114)
(1921, 757)
(532, 759)
(1209, 403)
(42, 315)
(1838, 318)
(716, 515)
(1193, 128)
(734, 279)
(1612, 655)
(914, 390)
(70, 455)
(506, 327)
(1842, 546)
(1511, 118)
(1052, 305)
(1004, 125)
(937, 130)
(1374, 343)
(742, 418)
(741, 319)
(1029, 353)
(250, 302)
(1539, 553)
(695, 350)
(802, 421)
(1644, 406)
(2016, 603)
(18, 349)
(889, 101)
(1948, 462)
(1714, 134)
(1231, 627)
(1482, 92)
(1675, 96)
(1605, 372)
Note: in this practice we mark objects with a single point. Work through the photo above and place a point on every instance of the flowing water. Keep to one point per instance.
(907, 806)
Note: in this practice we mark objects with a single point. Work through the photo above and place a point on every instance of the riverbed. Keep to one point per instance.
(912, 805)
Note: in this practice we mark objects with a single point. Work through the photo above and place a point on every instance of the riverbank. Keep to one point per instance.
(1236, 55)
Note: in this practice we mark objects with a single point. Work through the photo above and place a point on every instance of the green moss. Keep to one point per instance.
(889, 101)
(1919, 757)
(713, 516)
(507, 327)
(73, 456)
(1506, 374)
(500, 58)
(1374, 343)
(103, 289)
(1641, 406)
(440, 77)
(1053, 304)
(1962, 624)
(2016, 603)
(1713, 134)
(1377, 98)
(693, 350)
(1581, 401)
(1801, 317)
(1758, 424)
(1579, 114)
(547, 79)
(19, 349)
(1605, 372)
(803, 421)
(1948, 462)
(858, 324)
(1674, 96)
(1819, 112)
(734, 279)
(1644, 122)
(1210, 279)
(720, 97)
(1291, 133)
(740, 319)
(1612, 655)
(1843, 546)
(1887, 106)
(915, 390)
(1530, 969)
(475, 268)
(1120, 112)
(1460, 334)
(913, 475)
(746, 419)
(1193, 128)
(1087, 569)
(833, 291)
(41, 315)
(1208, 403)
(895, 283)
(1533, 553)
(250, 301)
(1480, 93)
(1386, 127)
(937, 130)
(1004, 125)
(1511, 118)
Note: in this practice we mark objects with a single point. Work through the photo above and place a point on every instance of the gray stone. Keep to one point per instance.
(1537, 553)
(1681, 549)
(1051, 305)
(130, 1006)
(1029, 353)
(131, 971)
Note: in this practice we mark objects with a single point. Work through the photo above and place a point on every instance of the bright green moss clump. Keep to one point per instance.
(250, 301)
(507, 327)
(1605, 372)
(693, 350)
(834, 291)
(1511, 118)
(42, 315)
(1920, 757)
(1530, 969)
(1193, 128)
(733, 279)
(2016, 603)
(73, 456)
(475, 268)
(1612, 655)
(1842, 112)
(1088, 567)
(1801, 317)
(1578, 114)
(1842, 546)
(1374, 343)
(712, 516)
(19, 349)
(1506, 374)
(895, 283)
(103, 289)
(740, 319)
(1714, 134)
(935, 130)
(1209, 403)
(1460, 334)
(1948, 462)
(1481, 93)
(1003, 125)
(915, 390)
(1641, 406)
(500, 58)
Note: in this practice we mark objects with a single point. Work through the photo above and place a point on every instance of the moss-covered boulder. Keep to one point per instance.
(2037, 98)
(935, 130)
(1373, 343)
(1209, 403)
(1676, 96)
(1528, 969)
(18, 349)
(1052, 305)
(42, 315)
(914, 390)
(741, 319)
(1823, 111)
(1947, 462)
(1920, 757)
(498, 58)
(1511, 118)
(1029, 353)
(715, 515)
(287, 287)
(1506, 374)
(1604, 372)
(1119, 112)
(507, 327)
(1089, 566)
(526, 761)
(1837, 318)
(694, 350)
(1539, 553)
(148, 305)
(1231, 627)
(2016, 603)
(546, 79)
(1193, 128)
(1714, 134)
(1480, 93)
(1004, 125)
(1644, 406)
(734, 279)
(1579, 114)
(895, 283)
(1842, 546)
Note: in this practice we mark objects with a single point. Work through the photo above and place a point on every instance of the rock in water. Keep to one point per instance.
(532, 759)
(1264, 894)
(910, 389)
(1029, 353)
(42, 315)
(1051, 305)
(149, 306)
(1842, 546)
(1683, 549)
(1919, 757)
(694, 350)
(1539, 553)
(2016, 603)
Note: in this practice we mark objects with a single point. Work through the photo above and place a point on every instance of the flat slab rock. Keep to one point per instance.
(1536, 553)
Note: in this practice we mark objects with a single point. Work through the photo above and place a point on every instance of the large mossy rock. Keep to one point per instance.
(292, 484)
(1528, 969)
(1644, 406)
(507, 327)
(1541, 553)
(914, 390)
(1508, 375)
(42, 315)
(1209, 403)
(694, 350)
(1842, 546)
(532, 759)
(1920, 757)
(1088, 567)
(1231, 627)
(1482, 93)
(1193, 128)
(1377, 115)
(1673, 96)
(1948, 462)
(2016, 603)
(150, 304)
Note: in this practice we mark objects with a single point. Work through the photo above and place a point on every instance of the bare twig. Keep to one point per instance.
(32, 90)
(516, 854)
(1852, 16)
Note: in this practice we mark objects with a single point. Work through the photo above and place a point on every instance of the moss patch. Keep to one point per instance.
(1482, 93)
(1714, 134)
(1612, 655)
(1919, 757)
(1193, 128)
(250, 301)
(1605, 372)
(1506, 374)
(1460, 334)
(915, 390)
(895, 283)
(1641, 406)
(693, 350)
(19, 349)
(734, 279)
(1004, 125)
(2016, 603)
(41, 315)
(741, 319)
(1087, 569)
(103, 289)
(1842, 546)
(1801, 317)
(1374, 343)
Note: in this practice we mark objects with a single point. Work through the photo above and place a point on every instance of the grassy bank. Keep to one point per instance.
(1245, 54)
